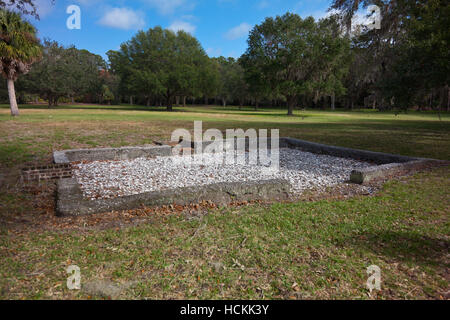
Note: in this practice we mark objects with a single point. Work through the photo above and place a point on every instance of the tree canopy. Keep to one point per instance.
(160, 63)
(290, 61)
(295, 56)
(404, 63)
(19, 49)
(23, 6)
(65, 72)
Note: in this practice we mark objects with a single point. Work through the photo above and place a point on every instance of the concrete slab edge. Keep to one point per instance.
(70, 200)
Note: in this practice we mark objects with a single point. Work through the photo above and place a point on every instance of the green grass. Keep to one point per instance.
(307, 250)
(284, 251)
(39, 130)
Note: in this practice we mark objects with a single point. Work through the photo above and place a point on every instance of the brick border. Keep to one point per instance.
(50, 172)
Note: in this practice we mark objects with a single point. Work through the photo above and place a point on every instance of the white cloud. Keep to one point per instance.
(166, 6)
(182, 25)
(122, 18)
(240, 31)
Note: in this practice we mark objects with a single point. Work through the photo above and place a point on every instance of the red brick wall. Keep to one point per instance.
(57, 171)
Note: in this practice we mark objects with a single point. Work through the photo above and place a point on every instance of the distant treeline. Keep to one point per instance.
(290, 63)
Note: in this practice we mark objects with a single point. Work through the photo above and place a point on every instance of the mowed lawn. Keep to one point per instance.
(303, 250)
(39, 130)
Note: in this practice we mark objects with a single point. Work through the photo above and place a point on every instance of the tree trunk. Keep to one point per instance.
(206, 101)
(12, 98)
(430, 105)
(256, 105)
(304, 102)
(184, 101)
(448, 98)
(291, 105)
(441, 97)
(169, 103)
(52, 101)
(224, 102)
(316, 98)
(348, 30)
(177, 101)
(131, 100)
(333, 102)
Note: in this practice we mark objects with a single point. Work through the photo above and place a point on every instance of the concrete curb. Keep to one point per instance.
(367, 175)
(388, 164)
(112, 154)
(70, 200)
(376, 157)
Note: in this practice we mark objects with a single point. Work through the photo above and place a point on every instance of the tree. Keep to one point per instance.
(87, 73)
(160, 63)
(50, 78)
(258, 85)
(19, 49)
(406, 61)
(226, 78)
(420, 68)
(240, 88)
(210, 79)
(120, 67)
(65, 72)
(23, 6)
(111, 81)
(294, 56)
(107, 95)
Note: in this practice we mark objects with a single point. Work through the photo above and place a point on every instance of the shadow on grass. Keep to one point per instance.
(188, 109)
(93, 107)
(270, 112)
(404, 246)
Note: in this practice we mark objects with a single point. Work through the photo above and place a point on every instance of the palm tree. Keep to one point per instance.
(19, 49)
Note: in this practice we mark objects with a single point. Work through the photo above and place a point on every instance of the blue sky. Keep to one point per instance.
(220, 25)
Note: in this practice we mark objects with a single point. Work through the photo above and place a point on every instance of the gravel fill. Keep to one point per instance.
(304, 170)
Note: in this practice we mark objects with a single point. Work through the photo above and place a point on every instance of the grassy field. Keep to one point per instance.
(303, 250)
(33, 136)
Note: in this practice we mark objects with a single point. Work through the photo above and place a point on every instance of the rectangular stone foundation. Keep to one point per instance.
(70, 200)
